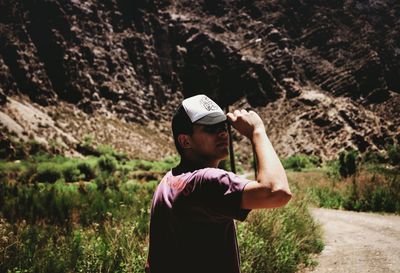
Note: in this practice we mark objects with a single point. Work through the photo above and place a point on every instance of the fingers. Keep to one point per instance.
(244, 115)
(231, 117)
(239, 113)
(237, 116)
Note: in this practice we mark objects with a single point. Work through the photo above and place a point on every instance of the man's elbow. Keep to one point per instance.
(282, 197)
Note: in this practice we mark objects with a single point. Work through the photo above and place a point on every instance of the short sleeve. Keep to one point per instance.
(222, 194)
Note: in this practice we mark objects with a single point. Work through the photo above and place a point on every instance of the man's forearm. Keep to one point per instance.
(270, 169)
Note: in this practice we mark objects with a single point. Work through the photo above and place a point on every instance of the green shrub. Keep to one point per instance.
(27, 174)
(35, 147)
(299, 162)
(373, 192)
(108, 150)
(107, 163)
(87, 169)
(4, 150)
(373, 157)
(279, 240)
(326, 197)
(348, 163)
(393, 152)
(332, 169)
(158, 166)
(88, 140)
(48, 172)
(20, 151)
(71, 172)
(105, 181)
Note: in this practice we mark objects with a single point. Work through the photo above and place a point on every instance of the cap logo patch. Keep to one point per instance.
(208, 104)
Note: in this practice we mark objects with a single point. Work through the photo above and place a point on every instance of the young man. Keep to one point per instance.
(192, 228)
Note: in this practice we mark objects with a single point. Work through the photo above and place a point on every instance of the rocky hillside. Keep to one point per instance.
(325, 75)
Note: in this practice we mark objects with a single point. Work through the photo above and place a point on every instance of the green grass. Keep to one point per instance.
(300, 162)
(113, 246)
(75, 227)
(374, 187)
(72, 227)
(279, 240)
(60, 214)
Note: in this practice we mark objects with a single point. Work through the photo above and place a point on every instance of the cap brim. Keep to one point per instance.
(211, 119)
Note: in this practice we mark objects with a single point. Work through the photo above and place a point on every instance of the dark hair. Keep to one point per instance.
(181, 124)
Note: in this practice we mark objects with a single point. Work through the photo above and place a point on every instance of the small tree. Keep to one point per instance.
(107, 163)
(393, 153)
(348, 163)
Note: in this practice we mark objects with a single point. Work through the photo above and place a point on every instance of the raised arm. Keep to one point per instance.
(271, 189)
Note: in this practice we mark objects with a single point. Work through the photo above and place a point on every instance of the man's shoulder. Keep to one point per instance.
(215, 170)
(203, 175)
(212, 173)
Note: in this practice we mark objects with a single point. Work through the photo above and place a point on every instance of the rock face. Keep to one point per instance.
(324, 74)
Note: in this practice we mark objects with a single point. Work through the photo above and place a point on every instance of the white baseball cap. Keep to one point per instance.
(203, 110)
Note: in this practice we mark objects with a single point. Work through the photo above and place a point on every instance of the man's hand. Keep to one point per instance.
(246, 122)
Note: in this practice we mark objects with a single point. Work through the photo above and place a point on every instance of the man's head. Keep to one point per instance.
(199, 125)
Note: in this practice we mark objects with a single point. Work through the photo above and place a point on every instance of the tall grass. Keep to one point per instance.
(363, 192)
(374, 187)
(75, 228)
(373, 192)
(114, 246)
(270, 241)
(279, 240)
(60, 214)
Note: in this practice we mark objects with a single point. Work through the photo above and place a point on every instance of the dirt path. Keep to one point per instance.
(358, 242)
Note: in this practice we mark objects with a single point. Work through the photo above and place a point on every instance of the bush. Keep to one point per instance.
(348, 163)
(71, 172)
(108, 163)
(373, 192)
(299, 162)
(108, 150)
(327, 197)
(87, 170)
(393, 152)
(373, 157)
(35, 147)
(48, 173)
(279, 240)
(332, 169)
(156, 166)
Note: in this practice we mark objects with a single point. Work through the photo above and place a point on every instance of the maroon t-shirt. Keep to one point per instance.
(191, 227)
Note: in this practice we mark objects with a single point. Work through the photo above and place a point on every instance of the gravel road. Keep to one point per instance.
(358, 242)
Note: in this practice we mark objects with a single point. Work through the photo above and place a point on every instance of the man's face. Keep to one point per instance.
(210, 141)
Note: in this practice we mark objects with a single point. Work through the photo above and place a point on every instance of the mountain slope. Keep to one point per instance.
(325, 76)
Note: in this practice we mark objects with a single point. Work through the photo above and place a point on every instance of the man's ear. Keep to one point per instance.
(184, 141)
